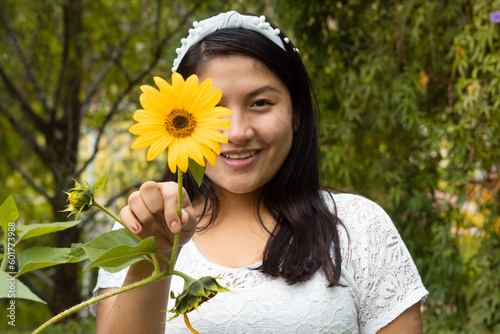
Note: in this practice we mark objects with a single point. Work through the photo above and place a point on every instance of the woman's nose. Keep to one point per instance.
(241, 129)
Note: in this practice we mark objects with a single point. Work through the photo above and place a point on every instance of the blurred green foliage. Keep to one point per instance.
(410, 100)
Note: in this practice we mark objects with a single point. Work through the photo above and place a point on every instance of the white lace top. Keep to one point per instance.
(380, 278)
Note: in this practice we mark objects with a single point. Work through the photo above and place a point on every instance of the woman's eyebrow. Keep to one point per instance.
(262, 90)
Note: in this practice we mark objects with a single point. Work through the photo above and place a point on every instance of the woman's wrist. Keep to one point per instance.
(168, 254)
(143, 269)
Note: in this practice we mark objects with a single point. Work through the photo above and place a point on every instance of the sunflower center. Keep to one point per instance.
(180, 123)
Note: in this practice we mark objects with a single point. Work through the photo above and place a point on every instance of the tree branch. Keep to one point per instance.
(158, 20)
(123, 70)
(126, 91)
(117, 53)
(68, 46)
(24, 133)
(15, 44)
(39, 123)
(108, 118)
(15, 166)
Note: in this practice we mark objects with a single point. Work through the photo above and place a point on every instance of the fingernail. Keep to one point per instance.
(174, 227)
(136, 228)
(154, 226)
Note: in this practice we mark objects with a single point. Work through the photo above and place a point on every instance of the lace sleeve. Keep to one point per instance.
(387, 279)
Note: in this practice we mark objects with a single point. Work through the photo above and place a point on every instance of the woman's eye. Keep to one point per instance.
(261, 103)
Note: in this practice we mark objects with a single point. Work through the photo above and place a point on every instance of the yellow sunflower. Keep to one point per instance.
(183, 118)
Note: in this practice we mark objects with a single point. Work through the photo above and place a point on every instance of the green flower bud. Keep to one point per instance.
(80, 199)
(195, 293)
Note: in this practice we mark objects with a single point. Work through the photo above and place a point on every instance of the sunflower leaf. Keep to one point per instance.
(14, 288)
(41, 257)
(118, 249)
(197, 171)
(34, 230)
(8, 213)
(98, 185)
(105, 241)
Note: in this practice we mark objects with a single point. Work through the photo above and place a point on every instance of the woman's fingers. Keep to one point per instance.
(189, 220)
(154, 208)
(130, 221)
(151, 196)
(169, 192)
(141, 211)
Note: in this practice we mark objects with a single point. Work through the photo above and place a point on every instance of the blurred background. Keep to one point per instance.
(410, 98)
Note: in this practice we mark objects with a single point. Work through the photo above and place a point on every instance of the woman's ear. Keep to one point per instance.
(296, 122)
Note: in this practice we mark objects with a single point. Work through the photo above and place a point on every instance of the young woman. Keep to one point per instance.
(296, 258)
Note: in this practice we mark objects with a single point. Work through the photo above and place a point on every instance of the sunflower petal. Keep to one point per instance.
(164, 86)
(194, 151)
(167, 94)
(150, 116)
(214, 112)
(189, 93)
(151, 99)
(172, 155)
(177, 87)
(205, 134)
(205, 88)
(206, 97)
(208, 154)
(207, 106)
(221, 112)
(211, 144)
(182, 156)
(157, 148)
(146, 140)
(142, 128)
(214, 124)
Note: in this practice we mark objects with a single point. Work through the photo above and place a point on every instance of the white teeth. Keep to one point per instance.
(239, 156)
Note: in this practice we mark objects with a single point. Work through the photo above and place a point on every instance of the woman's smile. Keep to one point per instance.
(239, 160)
(261, 131)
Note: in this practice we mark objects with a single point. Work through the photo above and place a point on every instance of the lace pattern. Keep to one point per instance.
(233, 278)
(380, 278)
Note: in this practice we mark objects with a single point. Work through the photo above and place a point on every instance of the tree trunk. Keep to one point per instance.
(63, 148)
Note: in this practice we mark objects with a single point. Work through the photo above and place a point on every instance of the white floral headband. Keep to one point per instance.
(230, 19)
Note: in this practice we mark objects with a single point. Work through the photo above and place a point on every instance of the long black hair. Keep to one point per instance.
(306, 231)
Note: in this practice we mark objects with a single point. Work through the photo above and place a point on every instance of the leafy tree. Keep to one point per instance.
(68, 67)
(410, 100)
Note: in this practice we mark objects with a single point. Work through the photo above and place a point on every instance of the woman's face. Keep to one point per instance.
(261, 131)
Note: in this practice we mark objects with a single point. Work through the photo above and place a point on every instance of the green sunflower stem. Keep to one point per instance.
(179, 213)
(112, 215)
(150, 279)
(116, 218)
(185, 277)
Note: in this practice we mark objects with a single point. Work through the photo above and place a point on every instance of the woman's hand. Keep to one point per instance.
(152, 211)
